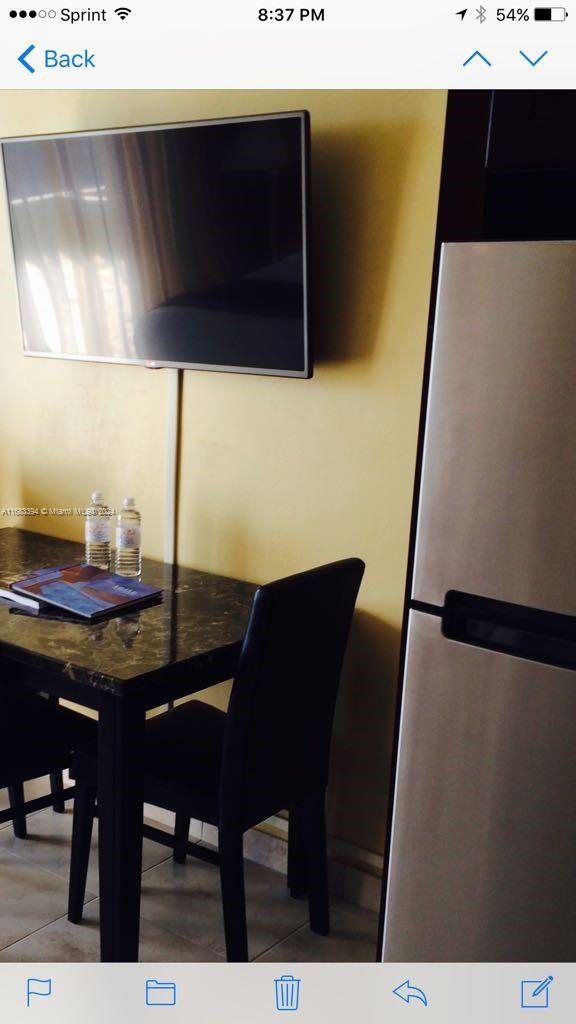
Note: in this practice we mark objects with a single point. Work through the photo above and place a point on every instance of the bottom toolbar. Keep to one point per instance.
(263, 991)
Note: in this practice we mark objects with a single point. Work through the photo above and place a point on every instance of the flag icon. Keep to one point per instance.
(38, 987)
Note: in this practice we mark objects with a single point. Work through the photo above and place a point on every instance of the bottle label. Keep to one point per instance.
(128, 537)
(98, 530)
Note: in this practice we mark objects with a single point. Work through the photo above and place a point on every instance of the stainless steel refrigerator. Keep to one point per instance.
(482, 855)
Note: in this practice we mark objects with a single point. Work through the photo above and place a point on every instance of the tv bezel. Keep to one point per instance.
(304, 117)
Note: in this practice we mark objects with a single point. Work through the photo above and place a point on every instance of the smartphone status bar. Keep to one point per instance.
(331, 44)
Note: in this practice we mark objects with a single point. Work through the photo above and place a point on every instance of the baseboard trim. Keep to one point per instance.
(355, 873)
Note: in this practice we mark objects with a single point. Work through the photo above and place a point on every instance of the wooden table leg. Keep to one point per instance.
(120, 810)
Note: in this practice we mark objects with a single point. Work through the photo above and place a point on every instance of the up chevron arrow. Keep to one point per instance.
(477, 54)
(533, 62)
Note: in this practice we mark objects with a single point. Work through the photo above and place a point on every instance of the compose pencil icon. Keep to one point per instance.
(536, 993)
(543, 984)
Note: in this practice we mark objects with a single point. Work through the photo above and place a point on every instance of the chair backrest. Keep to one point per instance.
(283, 698)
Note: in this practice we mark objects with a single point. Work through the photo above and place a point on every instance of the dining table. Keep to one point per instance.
(121, 667)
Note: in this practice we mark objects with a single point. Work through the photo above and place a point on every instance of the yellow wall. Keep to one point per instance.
(276, 475)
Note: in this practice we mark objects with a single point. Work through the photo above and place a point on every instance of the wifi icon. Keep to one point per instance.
(123, 12)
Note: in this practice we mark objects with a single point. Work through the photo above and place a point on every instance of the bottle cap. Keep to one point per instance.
(97, 497)
(129, 503)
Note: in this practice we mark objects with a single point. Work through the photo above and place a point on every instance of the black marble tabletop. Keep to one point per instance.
(200, 613)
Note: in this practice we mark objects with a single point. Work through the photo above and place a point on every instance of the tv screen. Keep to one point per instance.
(180, 245)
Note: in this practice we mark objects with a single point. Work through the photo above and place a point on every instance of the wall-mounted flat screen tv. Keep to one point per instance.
(180, 245)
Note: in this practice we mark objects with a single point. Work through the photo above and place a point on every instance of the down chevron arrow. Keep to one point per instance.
(533, 62)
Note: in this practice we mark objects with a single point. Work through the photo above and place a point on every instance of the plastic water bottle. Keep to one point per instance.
(97, 532)
(128, 540)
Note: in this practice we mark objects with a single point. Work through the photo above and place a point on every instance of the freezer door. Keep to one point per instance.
(497, 512)
(483, 854)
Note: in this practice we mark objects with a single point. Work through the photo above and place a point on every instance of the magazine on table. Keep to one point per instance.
(80, 589)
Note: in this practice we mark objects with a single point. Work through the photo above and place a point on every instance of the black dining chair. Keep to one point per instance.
(269, 752)
(37, 737)
(16, 797)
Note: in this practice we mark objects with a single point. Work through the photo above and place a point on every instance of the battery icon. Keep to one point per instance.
(550, 14)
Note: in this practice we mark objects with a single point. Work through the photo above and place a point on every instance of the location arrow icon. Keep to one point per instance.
(406, 992)
(461, 14)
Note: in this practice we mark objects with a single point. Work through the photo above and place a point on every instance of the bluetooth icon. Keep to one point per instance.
(481, 14)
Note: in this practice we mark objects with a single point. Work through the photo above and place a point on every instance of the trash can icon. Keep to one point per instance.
(287, 992)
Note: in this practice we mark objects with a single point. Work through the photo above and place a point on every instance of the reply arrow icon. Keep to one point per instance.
(406, 992)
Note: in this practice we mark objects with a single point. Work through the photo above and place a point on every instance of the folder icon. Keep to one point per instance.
(160, 993)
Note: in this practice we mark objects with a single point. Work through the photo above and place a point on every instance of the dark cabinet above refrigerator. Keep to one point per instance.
(532, 129)
(509, 168)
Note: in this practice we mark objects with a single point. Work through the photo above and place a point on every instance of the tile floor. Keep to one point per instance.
(181, 916)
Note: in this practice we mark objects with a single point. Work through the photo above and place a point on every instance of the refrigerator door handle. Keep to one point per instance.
(510, 629)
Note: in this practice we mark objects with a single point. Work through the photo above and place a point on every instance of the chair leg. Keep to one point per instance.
(16, 796)
(84, 806)
(181, 832)
(56, 783)
(318, 866)
(231, 850)
(56, 780)
(297, 867)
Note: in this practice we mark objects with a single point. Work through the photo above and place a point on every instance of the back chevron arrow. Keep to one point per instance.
(24, 62)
